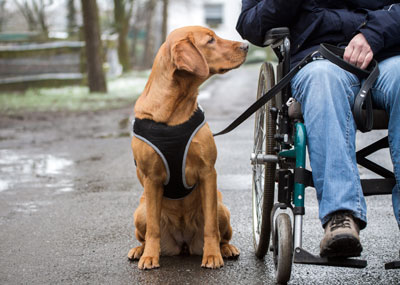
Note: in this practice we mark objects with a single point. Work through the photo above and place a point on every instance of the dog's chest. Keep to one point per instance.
(171, 143)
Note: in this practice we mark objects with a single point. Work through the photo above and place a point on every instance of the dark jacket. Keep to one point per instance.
(312, 22)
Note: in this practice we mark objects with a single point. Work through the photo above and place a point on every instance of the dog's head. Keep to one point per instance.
(200, 52)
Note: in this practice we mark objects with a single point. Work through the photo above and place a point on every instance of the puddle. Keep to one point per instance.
(29, 207)
(34, 171)
(4, 185)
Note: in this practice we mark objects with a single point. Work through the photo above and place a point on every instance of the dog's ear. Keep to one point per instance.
(186, 56)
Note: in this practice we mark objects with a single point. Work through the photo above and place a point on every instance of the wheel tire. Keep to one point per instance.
(263, 185)
(283, 248)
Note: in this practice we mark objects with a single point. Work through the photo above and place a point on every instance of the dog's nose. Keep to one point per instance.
(244, 46)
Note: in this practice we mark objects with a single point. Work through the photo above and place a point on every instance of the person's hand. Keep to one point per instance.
(358, 52)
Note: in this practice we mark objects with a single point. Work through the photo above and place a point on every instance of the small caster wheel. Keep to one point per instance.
(283, 248)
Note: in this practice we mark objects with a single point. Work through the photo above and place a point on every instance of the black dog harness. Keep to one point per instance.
(172, 145)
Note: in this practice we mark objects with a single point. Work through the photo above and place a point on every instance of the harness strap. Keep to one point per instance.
(334, 55)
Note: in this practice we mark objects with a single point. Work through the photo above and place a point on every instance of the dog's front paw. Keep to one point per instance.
(229, 251)
(136, 252)
(212, 261)
(149, 262)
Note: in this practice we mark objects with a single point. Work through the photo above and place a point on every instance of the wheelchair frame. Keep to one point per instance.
(280, 140)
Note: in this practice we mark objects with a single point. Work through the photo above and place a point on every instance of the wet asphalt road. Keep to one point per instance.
(68, 191)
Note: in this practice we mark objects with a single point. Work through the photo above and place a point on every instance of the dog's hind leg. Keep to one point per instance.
(227, 250)
(140, 231)
(136, 252)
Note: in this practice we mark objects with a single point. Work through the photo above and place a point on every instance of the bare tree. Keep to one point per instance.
(28, 14)
(164, 20)
(34, 12)
(122, 15)
(71, 18)
(138, 23)
(3, 16)
(149, 43)
(39, 8)
(96, 78)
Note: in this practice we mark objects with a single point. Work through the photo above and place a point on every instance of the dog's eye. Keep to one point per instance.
(210, 41)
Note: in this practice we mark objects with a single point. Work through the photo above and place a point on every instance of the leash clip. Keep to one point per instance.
(290, 101)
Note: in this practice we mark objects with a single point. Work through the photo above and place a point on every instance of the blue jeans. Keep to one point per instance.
(327, 95)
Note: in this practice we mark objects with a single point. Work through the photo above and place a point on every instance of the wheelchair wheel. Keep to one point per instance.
(263, 185)
(283, 248)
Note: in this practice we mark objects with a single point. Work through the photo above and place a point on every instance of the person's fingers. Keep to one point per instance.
(358, 52)
(360, 60)
(347, 52)
(367, 60)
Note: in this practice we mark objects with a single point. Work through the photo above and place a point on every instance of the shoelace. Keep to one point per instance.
(341, 220)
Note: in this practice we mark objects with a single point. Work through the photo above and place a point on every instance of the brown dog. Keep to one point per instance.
(199, 221)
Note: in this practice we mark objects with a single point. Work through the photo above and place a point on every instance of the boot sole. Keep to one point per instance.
(342, 246)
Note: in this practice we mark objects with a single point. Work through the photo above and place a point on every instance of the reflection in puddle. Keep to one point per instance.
(34, 171)
(4, 185)
(29, 207)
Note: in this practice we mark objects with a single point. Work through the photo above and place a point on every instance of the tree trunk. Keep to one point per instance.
(71, 18)
(96, 78)
(122, 18)
(39, 10)
(3, 17)
(134, 43)
(149, 43)
(139, 18)
(164, 21)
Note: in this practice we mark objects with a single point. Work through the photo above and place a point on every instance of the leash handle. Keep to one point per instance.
(364, 120)
(335, 55)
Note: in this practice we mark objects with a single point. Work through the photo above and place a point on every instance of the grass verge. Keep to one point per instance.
(121, 91)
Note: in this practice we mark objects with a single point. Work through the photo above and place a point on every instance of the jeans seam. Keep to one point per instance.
(393, 153)
(348, 122)
(391, 147)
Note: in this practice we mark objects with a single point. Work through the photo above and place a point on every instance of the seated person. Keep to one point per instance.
(368, 29)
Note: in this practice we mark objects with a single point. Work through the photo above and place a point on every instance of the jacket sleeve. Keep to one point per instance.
(258, 16)
(382, 28)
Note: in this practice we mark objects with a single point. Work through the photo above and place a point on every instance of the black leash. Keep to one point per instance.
(335, 55)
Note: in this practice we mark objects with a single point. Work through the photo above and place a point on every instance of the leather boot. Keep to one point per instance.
(341, 236)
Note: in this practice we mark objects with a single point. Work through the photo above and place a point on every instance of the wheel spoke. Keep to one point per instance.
(262, 146)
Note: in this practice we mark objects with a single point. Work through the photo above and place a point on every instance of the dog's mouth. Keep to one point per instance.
(238, 61)
(224, 70)
(234, 63)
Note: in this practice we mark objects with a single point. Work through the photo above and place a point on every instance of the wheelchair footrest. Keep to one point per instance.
(393, 265)
(304, 257)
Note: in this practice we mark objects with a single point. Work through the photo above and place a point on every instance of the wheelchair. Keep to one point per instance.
(279, 171)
